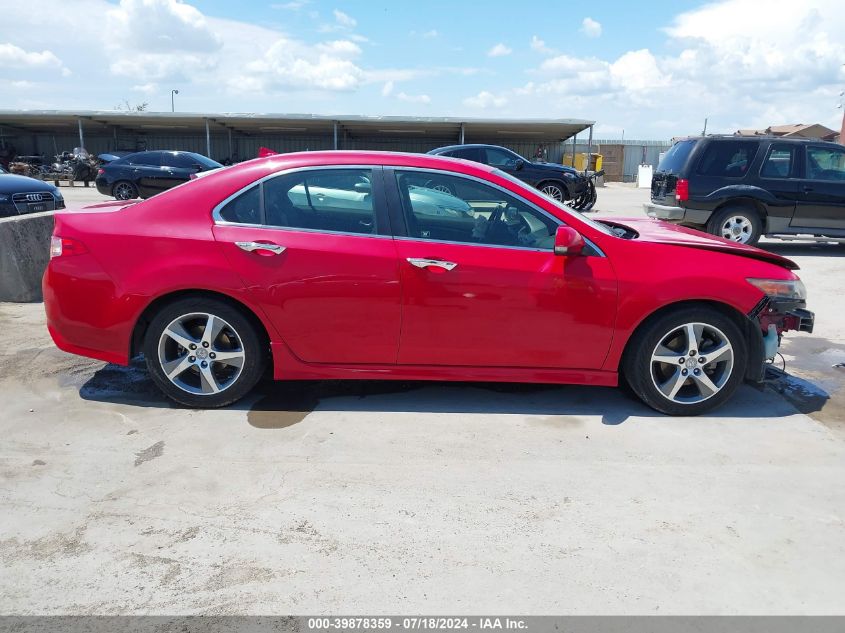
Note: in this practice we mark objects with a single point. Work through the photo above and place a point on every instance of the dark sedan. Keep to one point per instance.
(22, 194)
(145, 174)
(556, 181)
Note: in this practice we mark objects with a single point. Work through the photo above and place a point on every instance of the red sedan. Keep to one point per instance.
(328, 265)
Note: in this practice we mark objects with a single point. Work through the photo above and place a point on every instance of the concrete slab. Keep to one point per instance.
(24, 253)
(326, 497)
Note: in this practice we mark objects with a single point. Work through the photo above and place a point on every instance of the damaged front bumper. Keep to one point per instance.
(769, 319)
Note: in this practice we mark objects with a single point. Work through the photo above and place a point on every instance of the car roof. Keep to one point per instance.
(358, 157)
(466, 146)
(760, 137)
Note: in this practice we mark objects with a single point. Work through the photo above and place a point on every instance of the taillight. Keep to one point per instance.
(101, 171)
(62, 246)
(682, 190)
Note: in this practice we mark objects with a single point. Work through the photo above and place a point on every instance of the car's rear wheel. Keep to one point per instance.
(124, 190)
(687, 361)
(739, 224)
(553, 190)
(203, 352)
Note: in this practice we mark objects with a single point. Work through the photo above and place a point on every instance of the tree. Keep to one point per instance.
(138, 107)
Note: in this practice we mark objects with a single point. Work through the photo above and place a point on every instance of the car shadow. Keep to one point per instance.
(278, 405)
(804, 249)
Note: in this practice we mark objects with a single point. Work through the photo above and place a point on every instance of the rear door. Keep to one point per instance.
(314, 248)
(779, 176)
(822, 200)
(669, 170)
(176, 169)
(146, 173)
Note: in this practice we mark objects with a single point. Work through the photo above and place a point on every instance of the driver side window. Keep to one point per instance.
(454, 209)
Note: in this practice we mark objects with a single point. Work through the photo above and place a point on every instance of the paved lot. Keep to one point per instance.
(413, 497)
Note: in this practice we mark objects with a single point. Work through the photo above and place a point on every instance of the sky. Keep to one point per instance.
(652, 71)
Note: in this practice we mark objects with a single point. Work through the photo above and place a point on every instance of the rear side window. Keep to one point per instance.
(675, 158)
(336, 200)
(825, 164)
(178, 160)
(245, 209)
(148, 159)
(779, 163)
(469, 153)
(727, 159)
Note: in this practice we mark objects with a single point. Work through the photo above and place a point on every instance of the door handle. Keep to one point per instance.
(260, 246)
(422, 262)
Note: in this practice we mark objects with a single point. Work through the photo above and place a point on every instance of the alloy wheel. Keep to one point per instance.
(692, 363)
(553, 191)
(124, 191)
(737, 228)
(201, 353)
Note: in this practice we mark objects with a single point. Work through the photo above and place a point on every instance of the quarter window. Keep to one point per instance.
(500, 158)
(245, 209)
(727, 159)
(322, 200)
(147, 159)
(454, 209)
(779, 162)
(825, 164)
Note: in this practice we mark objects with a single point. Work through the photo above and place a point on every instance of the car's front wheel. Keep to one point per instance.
(687, 361)
(553, 190)
(203, 352)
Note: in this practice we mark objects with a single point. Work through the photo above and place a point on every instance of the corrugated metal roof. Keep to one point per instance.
(65, 121)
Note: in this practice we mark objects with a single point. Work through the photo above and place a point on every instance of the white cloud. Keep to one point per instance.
(147, 88)
(160, 27)
(539, 46)
(430, 35)
(424, 99)
(15, 57)
(590, 27)
(484, 100)
(294, 5)
(387, 89)
(499, 50)
(345, 20)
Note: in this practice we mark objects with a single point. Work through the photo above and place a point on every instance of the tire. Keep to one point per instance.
(739, 224)
(221, 381)
(554, 190)
(124, 190)
(662, 371)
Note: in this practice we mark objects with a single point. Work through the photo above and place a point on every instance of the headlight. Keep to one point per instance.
(790, 289)
(58, 195)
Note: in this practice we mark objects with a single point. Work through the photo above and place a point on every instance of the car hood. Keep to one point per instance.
(659, 232)
(13, 183)
(557, 167)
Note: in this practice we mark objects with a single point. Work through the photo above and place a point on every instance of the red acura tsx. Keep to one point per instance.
(333, 265)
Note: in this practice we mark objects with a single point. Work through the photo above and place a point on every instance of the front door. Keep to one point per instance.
(482, 286)
(822, 204)
(313, 248)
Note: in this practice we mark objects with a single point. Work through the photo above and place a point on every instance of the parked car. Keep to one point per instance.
(556, 181)
(332, 265)
(21, 194)
(742, 188)
(145, 174)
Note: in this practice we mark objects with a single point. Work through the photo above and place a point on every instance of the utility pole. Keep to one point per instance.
(172, 102)
(704, 133)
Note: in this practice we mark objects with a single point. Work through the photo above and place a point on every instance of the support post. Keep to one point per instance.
(589, 150)
(574, 139)
(231, 150)
(81, 137)
(462, 138)
(207, 140)
(335, 134)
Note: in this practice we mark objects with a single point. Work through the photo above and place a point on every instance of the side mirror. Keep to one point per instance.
(363, 187)
(518, 164)
(568, 241)
(196, 166)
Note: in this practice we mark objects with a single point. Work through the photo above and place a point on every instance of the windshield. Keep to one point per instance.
(598, 226)
(673, 161)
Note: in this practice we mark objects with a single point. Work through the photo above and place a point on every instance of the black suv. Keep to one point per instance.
(741, 188)
(145, 174)
(556, 181)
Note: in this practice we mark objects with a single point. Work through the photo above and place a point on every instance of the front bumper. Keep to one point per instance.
(664, 212)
